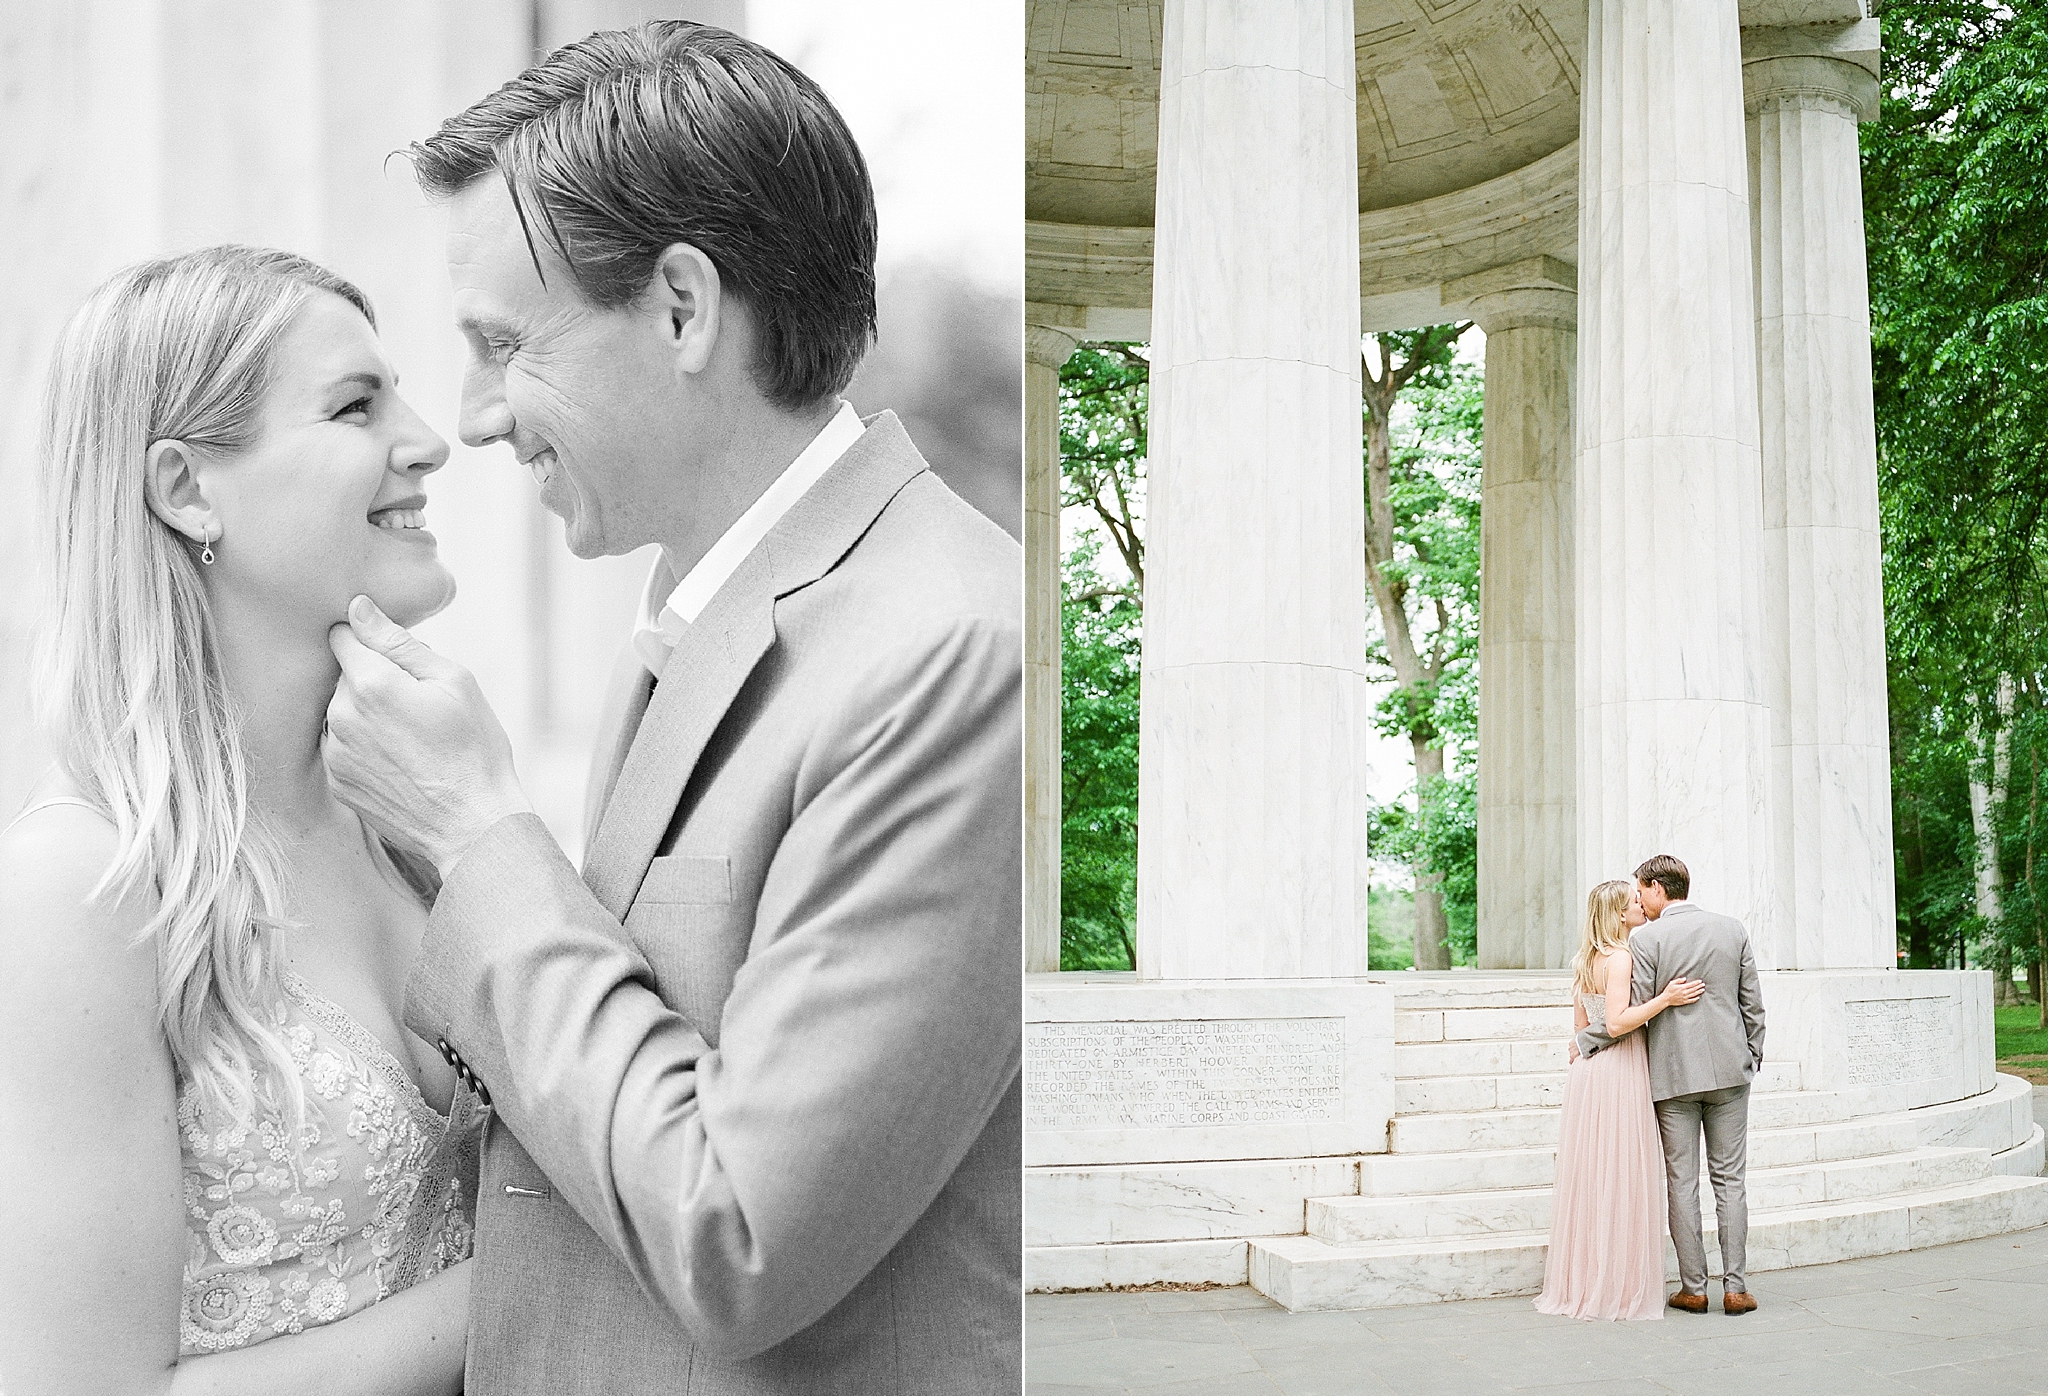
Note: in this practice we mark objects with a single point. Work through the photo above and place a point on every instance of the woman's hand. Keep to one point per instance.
(1680, 991)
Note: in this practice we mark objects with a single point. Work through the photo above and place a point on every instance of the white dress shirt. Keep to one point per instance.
(656, 631)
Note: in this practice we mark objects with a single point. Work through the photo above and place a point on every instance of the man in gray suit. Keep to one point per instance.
(756, 1071)
(1703, 1056)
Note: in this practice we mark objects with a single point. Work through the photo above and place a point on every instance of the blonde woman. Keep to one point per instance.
(226, 1167)
(1606, 1256)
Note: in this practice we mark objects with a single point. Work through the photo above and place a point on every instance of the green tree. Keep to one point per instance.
(1956, 210)
(1423, 410)
(1103, 401)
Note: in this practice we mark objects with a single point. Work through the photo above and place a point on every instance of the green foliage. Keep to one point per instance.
(1103, 396)
(1433, 498)
(1390, 929)
(2020, 1034)
(1099, 632)
(1955, 178)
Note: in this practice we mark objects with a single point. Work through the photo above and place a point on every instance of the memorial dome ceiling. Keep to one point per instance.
(1451, 94)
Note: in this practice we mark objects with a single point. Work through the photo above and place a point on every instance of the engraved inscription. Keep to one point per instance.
(1185, 1073)
(1900, 1041)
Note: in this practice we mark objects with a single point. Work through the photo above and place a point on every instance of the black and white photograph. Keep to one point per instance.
(511, 697)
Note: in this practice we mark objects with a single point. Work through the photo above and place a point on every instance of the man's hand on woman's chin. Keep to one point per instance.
(411, 745)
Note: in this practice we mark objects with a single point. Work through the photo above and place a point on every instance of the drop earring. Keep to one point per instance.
(206, 551)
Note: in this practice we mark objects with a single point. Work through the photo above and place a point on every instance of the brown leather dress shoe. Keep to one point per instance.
(1691, 1303)
(1737, 1301)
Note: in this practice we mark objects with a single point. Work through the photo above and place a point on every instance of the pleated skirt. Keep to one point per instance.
(1606, 1256)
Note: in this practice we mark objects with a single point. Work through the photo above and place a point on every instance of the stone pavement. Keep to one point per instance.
(1962, 1320)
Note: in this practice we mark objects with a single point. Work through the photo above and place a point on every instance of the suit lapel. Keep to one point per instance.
(625, 704)
(715, 657)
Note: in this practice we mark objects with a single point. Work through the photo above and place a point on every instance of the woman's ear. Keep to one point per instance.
(170, 485)
(687, 296)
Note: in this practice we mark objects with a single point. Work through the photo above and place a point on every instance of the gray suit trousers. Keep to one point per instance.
(1723, 1116)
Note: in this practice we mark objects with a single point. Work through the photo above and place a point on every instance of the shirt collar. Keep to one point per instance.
(661, 623)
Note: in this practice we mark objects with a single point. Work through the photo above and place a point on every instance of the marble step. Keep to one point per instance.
(1501, 1091)
(1455, 1166)
(1544, 1056)
(1359, 1220)
(1768, 1108)
(1308, 1273)
(1831, 1118)
(1482, 1024)
(1418, 1059)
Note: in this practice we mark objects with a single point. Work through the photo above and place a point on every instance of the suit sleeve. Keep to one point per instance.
(1750, 995)
(1643, 985)
(867, 1041)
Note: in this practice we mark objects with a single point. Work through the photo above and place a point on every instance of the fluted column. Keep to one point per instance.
(1823, 560)
(1529, 900)
(1251, 842)
(1674, 728)
(1045, 350)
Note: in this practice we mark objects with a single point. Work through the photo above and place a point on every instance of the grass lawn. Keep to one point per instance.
(2022, 1043)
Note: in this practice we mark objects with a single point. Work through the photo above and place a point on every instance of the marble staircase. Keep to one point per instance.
(1458, 1206)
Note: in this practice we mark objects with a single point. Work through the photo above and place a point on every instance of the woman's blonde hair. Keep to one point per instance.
(1602, 932)
(130, 684)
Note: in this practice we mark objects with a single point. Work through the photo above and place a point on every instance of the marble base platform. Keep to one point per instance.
(1453, 1200)
(1119, 1070)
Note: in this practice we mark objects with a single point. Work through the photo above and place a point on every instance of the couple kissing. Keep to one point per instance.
(1669, 1020)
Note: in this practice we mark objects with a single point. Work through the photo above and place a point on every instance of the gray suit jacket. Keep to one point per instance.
(1714, 1042)
(756, 1072)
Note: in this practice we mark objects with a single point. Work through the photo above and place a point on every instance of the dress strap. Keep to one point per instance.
(46, 804)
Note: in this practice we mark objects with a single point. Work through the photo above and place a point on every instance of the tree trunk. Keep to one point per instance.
(1919, 954)
(1409, 670)
(1431, 925)
(2033, 897)
(2034, 981)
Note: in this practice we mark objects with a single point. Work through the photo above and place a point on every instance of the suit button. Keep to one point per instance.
(447, 1052)
(481, 1094)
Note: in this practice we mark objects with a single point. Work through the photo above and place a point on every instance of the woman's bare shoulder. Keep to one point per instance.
(59, 932)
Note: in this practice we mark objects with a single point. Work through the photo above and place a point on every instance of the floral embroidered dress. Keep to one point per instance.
(377, 1193)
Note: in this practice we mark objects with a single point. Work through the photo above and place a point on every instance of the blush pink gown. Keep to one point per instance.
(1606, 1257)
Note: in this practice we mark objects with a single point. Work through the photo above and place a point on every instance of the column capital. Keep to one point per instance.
(1825, 66)
(1541, 292)
(1049, 346)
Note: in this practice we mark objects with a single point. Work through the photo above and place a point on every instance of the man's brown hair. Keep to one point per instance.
(617, 146)
(1668, 873)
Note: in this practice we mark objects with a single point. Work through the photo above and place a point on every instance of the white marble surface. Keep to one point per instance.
(1808, 1021)
(1529, 900)
(1305, 1273)
(1055, 1268)
(1045, 349)
(1673, 725)
(1848, 1158)
(1089, 1104)
(1824, 641)
(1254, 720)
(1177, 1201)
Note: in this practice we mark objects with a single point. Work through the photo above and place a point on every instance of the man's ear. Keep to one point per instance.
(170, 485)
(687, 296)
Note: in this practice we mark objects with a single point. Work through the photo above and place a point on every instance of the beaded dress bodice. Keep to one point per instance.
(376, 1193)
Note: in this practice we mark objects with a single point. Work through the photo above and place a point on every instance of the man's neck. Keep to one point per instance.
(749, 452)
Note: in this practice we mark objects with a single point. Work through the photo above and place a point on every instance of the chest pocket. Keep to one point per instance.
(694, 937)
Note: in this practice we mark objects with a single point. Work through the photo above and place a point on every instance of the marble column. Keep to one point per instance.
(1529, 900)
(1823, 561)
(1045, 349)
(1673, 721)
(1252, 806)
